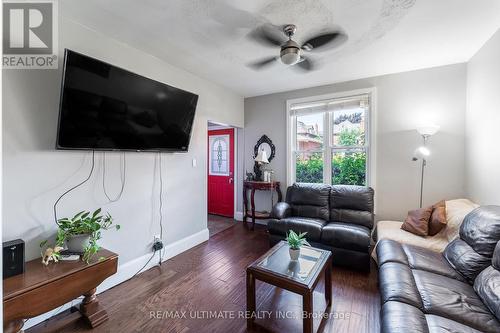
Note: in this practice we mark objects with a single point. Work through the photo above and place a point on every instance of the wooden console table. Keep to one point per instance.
(257, 186)
(43, 288)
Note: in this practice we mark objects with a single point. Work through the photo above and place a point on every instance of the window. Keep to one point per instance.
(218, 157)
(329, 140)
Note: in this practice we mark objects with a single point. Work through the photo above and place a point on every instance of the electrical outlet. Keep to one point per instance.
(157, 243)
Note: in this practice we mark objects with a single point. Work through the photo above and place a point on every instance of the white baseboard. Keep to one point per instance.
(238, 216)
(128, 269)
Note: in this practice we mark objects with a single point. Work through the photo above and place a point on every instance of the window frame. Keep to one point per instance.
(328, 147)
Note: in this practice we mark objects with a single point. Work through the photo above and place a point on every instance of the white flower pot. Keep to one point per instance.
(78, 243)
(294, 254)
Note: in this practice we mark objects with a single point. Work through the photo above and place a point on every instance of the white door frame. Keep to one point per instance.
(219, 126)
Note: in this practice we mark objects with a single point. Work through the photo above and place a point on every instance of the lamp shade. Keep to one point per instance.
(428, 130)
(262, 157)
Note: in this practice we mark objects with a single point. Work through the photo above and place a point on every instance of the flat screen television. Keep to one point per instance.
(104, 107)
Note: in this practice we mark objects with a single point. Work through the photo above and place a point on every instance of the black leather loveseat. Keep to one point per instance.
(454, 291)
(338, 218)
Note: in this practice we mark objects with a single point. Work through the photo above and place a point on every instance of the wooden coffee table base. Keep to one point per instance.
(304, 291)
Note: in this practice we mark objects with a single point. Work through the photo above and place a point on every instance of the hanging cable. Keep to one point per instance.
(123, 170)
(161, 203)
(76, 186)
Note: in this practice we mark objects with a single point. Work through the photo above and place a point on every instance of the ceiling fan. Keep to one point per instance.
(290, 51)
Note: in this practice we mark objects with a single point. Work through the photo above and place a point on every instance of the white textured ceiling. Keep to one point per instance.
(209, 37)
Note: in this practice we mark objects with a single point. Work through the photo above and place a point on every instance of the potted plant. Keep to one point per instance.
(295, 242)
(82, 231)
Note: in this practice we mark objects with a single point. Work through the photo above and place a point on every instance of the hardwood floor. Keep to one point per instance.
(210, 279)
(217, 224)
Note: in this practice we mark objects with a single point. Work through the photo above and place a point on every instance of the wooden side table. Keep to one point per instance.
(43, 288)
(257, 186)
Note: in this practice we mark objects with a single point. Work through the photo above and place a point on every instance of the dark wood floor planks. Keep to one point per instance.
(217, 224)
(211, 277)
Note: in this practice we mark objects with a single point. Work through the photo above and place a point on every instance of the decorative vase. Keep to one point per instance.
(294, 254)
(78, 243)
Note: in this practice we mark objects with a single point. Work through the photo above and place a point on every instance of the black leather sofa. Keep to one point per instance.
(454, 291)
(338, 218)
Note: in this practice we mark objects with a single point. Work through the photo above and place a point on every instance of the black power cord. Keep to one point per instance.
(159, 245)
(76, 186)
(123, 170)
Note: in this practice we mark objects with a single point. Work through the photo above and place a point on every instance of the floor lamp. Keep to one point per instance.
(423, 152)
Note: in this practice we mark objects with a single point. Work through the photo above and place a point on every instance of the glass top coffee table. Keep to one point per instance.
(301, 277)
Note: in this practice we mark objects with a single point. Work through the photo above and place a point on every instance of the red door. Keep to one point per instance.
(220, 172)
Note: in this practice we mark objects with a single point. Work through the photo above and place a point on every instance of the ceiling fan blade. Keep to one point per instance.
(325, 41)
(261, 64)
(268, 35)
(305, 64)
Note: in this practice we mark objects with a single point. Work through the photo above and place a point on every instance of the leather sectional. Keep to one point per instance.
(338, 218)
(454, 291)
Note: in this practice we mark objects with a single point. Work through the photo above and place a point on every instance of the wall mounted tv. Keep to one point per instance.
(104, 107)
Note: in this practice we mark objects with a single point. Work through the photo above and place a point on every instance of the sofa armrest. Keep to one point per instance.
(281, 210)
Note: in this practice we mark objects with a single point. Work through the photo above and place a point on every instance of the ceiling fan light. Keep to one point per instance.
(290, 55)
(290, 58)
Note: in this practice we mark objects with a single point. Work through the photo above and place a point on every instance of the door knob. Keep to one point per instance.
(230, 180)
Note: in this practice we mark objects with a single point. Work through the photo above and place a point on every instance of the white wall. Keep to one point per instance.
(482, 124)
(404, 101)
(35, 174)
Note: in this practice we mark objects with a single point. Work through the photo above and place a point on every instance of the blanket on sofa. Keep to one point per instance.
(455, 213)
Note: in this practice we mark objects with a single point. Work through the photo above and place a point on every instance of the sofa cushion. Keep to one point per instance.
(352, 204)
(465, 260)
(487, 284)
(298, 224)
(416, 258)
(347, 236)
(439, 324)
(390, 251)
(481, 229)
(396, 283)
(309, 200)
(430, 261)
(479, 233)
(453, 299)
(397, 317)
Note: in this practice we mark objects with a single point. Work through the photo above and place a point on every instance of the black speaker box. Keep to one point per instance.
(13, 258)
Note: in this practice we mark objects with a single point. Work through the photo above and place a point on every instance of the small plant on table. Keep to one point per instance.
(295, 242)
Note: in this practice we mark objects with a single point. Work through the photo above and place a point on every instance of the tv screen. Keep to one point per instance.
(104, 107)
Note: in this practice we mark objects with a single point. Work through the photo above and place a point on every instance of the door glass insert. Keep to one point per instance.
(219, 155)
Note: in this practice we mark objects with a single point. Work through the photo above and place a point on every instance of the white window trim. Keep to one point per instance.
(371, 126)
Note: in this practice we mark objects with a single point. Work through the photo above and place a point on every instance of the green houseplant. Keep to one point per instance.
(82, 231)
(295, 241)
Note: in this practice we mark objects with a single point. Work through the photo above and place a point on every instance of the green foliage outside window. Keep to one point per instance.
(348, 167)
(310, 170)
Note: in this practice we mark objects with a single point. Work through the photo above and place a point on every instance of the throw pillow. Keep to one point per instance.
(417, 221)
(438, 218)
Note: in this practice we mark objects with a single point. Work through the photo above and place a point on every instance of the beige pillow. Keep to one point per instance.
(455, 213)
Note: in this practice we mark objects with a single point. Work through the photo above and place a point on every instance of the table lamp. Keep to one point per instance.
(260, 159)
